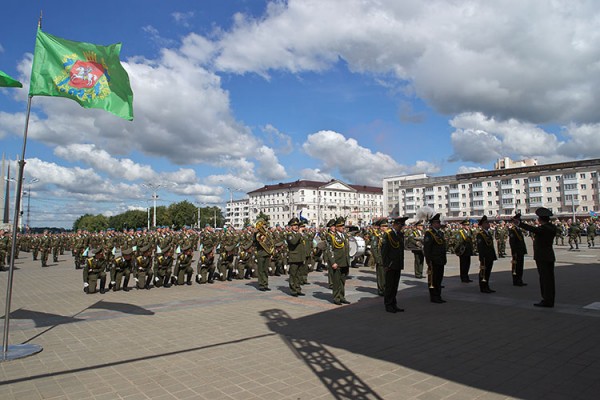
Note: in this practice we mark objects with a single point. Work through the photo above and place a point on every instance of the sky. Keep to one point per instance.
(232, 95)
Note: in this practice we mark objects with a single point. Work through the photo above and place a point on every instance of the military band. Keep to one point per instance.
(164, 257)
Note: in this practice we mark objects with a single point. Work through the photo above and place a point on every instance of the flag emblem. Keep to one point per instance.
(84, 75)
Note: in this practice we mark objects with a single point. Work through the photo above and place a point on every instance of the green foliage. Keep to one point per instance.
(176, 215)
(91, 223)
(131, 219)
(262, 215)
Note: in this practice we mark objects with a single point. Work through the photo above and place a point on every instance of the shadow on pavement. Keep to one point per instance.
(334, 374)
(511, 349)
(42, 319)
(121, 307)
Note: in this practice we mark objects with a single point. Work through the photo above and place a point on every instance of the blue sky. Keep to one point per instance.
(233, 95)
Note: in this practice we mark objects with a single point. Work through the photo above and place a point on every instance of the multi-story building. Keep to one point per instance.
(237, 213)
(316, 201)
(568, 189)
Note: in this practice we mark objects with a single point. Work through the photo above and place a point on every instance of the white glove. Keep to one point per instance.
(113, 282)
(86, 285)
(136, 280)
(156, 279)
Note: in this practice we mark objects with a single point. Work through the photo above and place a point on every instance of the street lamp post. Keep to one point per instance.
(154, 187)
(31, 181)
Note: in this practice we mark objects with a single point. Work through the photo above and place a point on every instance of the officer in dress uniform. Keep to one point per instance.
(121, 270)
(163, 267)
(392, 255)
(206, 266)
(376, 242)
(518, 249)
(94, 270)
(263, 256)
(295, 256)
(434, 249)
(338, 259)
(543, 253)
(487, 255)
(143, 268)
(464, 250)
(183, 266)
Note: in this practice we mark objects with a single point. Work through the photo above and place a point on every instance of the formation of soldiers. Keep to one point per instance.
(110, 260)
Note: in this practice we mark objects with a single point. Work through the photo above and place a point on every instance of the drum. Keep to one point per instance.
(357, 246)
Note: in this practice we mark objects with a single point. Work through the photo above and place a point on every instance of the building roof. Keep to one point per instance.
(305, 184)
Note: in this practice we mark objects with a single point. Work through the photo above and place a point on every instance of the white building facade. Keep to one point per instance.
(568, 189)
(236, 212)
(317, 201)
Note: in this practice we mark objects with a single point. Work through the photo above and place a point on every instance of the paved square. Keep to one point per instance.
(231, 341)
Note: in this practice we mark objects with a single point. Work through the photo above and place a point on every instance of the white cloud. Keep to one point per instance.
(459, 56)
(183, 18)
(463, 169)
(315, 175)
(482, 139)
(355, 163)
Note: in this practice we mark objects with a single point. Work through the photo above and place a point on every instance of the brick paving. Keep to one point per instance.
(231, 341)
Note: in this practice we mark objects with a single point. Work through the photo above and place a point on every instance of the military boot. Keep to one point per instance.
(189, 279)
(102, 285)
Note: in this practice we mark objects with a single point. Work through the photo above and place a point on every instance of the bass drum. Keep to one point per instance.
(357, 246)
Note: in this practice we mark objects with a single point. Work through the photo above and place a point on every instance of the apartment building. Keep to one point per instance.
(568, 189)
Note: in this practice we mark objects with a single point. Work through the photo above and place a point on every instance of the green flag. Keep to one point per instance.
(7, 81)
(91, 75)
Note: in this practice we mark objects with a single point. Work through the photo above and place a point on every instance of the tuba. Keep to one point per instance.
(264, 236)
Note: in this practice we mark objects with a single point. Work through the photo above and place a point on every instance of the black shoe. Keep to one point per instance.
(301, 294)
(276, 274)
(487, 290)
(466, 280)
(391, 309)
(262, 289)
(189, 283)
(520, 284)
(543, 304)
(438, 301)
(102, 291)
(126, 289)
(398, 309)
(337, 303)
(294, 294)
(167, 285)
(345, 301)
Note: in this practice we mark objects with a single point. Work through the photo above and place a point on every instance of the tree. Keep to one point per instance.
(131, 219)
(91, 223)
(182, 214)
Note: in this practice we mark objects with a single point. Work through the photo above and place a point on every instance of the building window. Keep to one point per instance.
(585, 208)
(583, 187)
(569, 176)
(549, 199)
(517, 181)
(548, 179)
(570, 186)
(506, 181)
(548, 189)
(534, 179)
(584, 197)
(582, 176)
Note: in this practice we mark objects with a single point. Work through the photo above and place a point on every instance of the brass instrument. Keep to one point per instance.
(264, 237)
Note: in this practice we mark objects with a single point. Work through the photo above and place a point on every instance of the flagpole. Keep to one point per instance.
(17, 351)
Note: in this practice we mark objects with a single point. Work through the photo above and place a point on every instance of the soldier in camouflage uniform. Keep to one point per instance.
(591, 234)
(45, 248)
(4, 248)
(574, 232)
(501, 236)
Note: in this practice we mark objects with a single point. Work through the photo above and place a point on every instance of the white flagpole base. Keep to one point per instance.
(16, 351)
